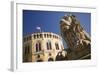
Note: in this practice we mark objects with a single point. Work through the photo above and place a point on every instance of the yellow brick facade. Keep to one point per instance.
(41, 46)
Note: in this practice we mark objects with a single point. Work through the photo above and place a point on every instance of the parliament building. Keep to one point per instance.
(42, 46)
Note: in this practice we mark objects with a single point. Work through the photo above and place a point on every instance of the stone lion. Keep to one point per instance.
(73, 33)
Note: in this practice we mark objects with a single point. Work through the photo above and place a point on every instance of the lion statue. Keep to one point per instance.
(73, 33)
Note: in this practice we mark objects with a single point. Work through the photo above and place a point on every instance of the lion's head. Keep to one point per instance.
(72, 31)
(67, 21)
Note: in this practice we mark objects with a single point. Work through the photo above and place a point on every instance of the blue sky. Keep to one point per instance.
(49, 21)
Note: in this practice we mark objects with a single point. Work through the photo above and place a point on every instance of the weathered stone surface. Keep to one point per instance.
(77, 39)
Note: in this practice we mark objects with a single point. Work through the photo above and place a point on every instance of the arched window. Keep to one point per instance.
(37, 36)
(41, 35)
(50, 35)
(45, 35)
(57, 46)
(34, 36)
(38, 46)
(49, 47)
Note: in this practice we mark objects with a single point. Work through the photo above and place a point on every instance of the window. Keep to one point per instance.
(49, 45)
(53, 36)
(56, 37)
(37, 36)
(45, 35)
(50, 35)
(38, 46)
(57, 46)
(34, 36)
(41, 35)
(27, 49)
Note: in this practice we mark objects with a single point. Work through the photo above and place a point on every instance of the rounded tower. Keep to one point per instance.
(44, 46)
